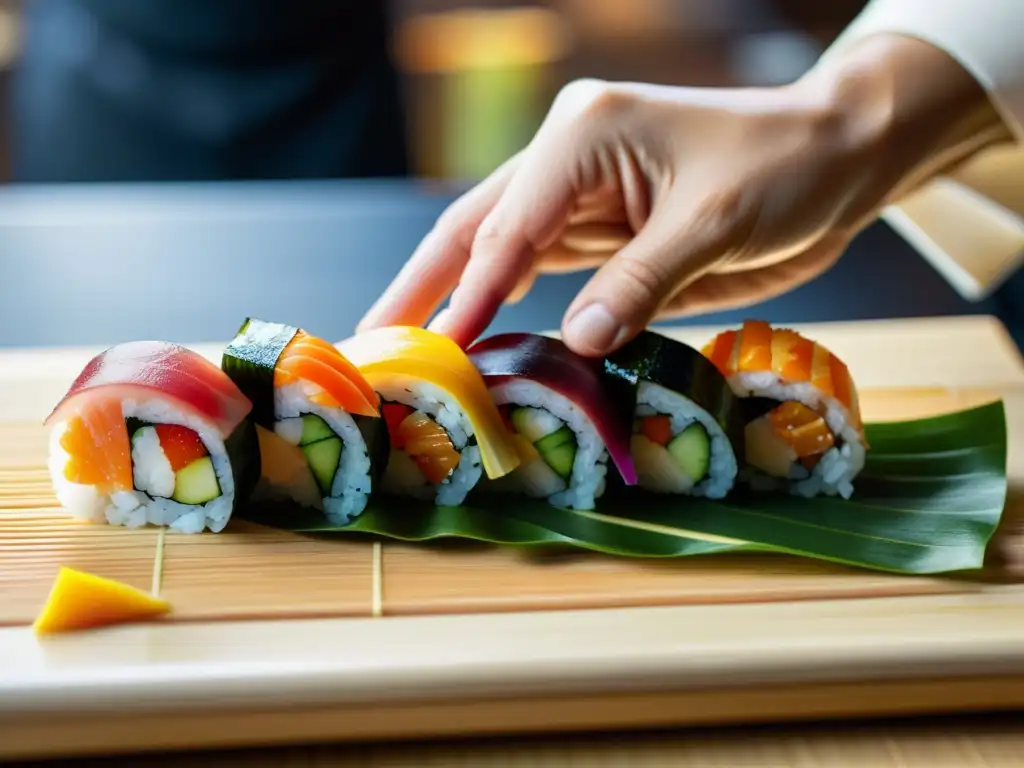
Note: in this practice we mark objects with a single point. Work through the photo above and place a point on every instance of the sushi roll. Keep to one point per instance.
(151, 432)
(444, 429)
(687, 428)
(803, 425)
(320, 428)
(562, 416)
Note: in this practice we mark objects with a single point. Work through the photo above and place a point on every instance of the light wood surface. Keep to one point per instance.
(485, 661)
(989, 741)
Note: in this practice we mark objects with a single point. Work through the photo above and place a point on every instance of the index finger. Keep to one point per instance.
(431, 274)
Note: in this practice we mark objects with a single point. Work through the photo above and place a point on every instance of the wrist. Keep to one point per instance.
(905, 108)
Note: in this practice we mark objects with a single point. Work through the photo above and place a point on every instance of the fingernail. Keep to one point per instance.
(594, 328)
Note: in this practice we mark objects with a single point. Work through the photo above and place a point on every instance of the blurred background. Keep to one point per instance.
(475, 78)
(335, 132)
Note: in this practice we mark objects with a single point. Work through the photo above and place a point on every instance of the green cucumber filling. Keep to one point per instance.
(689, 448)
(320, 444)
(553, 439)
(170, 461)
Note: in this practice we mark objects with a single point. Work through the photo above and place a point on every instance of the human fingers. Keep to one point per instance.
(716, 291)
(677, 244)
(528, 217)
(430, 275)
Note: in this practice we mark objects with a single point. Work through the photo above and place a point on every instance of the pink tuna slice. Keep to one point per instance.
(147, 370)
(550, 363)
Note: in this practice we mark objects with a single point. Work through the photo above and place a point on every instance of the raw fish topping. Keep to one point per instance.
(549, 362)
(388, 355)
(757, 347)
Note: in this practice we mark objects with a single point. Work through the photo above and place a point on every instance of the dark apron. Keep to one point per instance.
(139, 90)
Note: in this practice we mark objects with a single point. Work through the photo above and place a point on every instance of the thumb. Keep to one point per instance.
(627, 292)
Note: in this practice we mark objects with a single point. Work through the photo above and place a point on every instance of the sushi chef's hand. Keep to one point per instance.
(689, 200)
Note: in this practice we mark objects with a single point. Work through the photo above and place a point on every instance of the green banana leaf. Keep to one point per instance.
(928, 501)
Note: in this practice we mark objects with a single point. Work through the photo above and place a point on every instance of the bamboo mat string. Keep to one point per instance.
(158, 562)
(377, 581)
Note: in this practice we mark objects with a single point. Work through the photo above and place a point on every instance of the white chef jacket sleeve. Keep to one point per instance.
(968, 224)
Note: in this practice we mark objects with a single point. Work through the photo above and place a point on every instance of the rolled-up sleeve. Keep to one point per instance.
(969, 224)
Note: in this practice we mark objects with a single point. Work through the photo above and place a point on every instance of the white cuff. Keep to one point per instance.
(968, 225)
(985, 36)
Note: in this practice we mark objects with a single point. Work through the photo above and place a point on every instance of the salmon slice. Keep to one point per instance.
(755, 346)
(147, 370)
(719, 351)
(342, 363)
(803, 429)
(98, 448)
(429, 446)
(320, 364)
(338, 392)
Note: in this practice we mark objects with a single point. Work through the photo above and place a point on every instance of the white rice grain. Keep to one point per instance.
(351, 488)
(835, 472)
(445, 410)
(134, 509)
(589, 469)
(722, 465)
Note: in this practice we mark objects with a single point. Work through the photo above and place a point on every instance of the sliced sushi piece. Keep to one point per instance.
(151, 432)
(445, 431)
(687, 427)
(80, 600)
(803, 427)
(564, 418)
(322, 439)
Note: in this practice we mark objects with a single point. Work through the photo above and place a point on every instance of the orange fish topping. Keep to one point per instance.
(803, 429)
(100, 455)
(314, 360)
(429, 446)
(795, 359)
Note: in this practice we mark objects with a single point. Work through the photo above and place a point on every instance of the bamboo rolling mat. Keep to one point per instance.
(480, 640)
(252, 572)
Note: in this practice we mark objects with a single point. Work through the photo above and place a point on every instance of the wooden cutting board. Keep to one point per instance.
(300, 599)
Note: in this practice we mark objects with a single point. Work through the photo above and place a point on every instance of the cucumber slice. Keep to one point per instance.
(323, 457)
(556, 439)
(196, 483)
(534, 423)
(314, 429)
(561, 458)
(691, 451)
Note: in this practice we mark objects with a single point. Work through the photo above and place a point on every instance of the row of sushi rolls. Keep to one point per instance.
(152, 432)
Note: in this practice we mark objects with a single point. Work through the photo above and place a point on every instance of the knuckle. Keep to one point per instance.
(643, 279)
(588, 98)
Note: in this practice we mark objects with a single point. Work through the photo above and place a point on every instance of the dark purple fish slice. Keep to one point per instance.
(551, 364)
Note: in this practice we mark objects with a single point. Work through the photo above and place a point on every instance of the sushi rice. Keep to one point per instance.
(653, 399)
(152, 471)
(352, 483)
(589, 469)
(835, 472)
(402, 477)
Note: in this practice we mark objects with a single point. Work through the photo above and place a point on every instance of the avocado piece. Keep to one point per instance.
(561, 458)
(196, 483)
(314, 429)
(323, 457)
(691, 451)
(534, 423)
(555, 439)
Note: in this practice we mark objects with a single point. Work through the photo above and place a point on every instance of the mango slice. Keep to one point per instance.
(80, 600)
